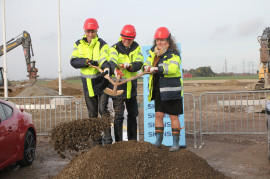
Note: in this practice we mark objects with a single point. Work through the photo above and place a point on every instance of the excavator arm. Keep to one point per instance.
(25, 41)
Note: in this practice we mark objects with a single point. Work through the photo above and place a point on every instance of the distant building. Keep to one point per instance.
(187, 75)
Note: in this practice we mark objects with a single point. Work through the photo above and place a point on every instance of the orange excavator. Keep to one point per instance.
(23, 39)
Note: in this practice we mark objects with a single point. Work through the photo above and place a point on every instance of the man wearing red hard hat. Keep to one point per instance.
(125, 60)
(88, 52)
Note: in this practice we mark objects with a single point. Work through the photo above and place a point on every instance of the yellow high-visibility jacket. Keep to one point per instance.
(98, 49)
(119, 54)
(170, 81)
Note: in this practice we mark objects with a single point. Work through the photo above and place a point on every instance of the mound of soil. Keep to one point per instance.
(37, 91)
(16, 91)
(67, 88)
(78, 135)
(232, 83)
(134, 159)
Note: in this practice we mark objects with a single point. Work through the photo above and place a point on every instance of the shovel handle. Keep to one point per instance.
(106, 76)
(132, 78)
(116, 83)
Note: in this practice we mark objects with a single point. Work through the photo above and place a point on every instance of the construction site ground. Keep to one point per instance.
(236, 156)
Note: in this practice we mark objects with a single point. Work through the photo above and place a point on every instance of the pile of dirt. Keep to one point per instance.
(37, 91)
(232, 83)
(134, 159)
(67, 88)
(78, 135)
(16, 91)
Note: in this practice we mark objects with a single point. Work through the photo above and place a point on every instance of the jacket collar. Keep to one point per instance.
(122, 49)
(93, 41)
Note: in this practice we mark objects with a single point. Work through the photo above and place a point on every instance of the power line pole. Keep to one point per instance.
(252, 67)
(225, 66)
(249, 67)
(243, 66)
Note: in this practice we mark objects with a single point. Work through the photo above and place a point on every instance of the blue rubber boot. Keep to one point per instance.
(176, 137)
(159, 136)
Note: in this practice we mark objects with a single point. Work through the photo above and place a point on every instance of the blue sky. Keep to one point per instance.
(209, 31)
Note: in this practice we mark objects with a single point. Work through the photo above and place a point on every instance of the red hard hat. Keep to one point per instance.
(162, 33)
(90, 24)
(128, 32)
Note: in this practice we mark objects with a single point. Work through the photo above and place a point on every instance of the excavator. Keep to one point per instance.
(264, 78)
(23, 39)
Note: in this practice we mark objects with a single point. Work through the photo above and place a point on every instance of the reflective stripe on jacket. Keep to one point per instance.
(93, 83)
(119, 54)
(170, 81)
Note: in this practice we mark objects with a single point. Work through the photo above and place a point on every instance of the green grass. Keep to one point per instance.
(222, 78)
(74, 81)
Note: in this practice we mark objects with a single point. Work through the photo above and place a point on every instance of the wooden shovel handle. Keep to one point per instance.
(132, 78)
(106, 76)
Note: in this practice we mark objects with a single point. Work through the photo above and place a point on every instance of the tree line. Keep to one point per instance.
(200, 72)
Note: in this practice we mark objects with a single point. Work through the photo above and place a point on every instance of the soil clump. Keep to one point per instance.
(133, 159)
(78, 135)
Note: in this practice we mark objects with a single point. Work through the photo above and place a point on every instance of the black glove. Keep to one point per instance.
(105, 72)
(92, 62)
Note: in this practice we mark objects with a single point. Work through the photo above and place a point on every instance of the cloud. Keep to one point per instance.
(248, 27)
(220, 31)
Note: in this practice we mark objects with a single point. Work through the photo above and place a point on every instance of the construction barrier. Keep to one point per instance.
(212, 113)
(241, 112)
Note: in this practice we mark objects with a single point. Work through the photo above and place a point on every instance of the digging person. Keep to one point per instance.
(165, 84)
(126, 56)
(88, 52)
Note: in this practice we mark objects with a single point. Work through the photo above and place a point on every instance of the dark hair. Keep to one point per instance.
(172, 44)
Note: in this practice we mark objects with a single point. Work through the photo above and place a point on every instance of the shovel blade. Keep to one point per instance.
(110, 92)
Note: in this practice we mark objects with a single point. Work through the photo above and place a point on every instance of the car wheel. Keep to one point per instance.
(29, 149)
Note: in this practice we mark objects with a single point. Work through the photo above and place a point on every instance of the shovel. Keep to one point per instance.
(114, 92)
(132, 78)
(107, 90)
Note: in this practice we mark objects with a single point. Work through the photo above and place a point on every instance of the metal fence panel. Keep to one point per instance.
(47, 111)
(240, 112)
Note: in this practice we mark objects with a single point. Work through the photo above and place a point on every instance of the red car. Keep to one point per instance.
(17, 136)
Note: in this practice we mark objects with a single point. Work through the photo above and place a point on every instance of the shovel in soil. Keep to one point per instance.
(108, 91)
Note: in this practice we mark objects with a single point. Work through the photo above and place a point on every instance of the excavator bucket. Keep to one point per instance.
(32, 75)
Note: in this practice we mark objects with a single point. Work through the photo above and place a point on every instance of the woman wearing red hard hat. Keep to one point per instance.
(165, 84)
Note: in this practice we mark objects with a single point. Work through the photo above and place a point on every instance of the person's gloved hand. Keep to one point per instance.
(159, 52)
(150, 69)
(153, 69)
(118, 72)
(92, 62)
(124, 65)
(146, 68)
(106, 71)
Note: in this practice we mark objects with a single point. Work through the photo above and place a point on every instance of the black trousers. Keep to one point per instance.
(95, 104)
(132, 109)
